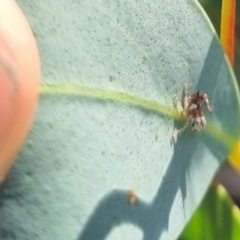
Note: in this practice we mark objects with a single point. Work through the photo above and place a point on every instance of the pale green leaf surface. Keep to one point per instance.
(103, 127)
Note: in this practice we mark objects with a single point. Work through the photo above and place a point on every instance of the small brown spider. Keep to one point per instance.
(192, 110)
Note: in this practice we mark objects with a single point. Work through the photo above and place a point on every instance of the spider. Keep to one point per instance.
(191, 109)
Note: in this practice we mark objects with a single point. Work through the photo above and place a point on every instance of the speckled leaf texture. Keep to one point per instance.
(110, 69)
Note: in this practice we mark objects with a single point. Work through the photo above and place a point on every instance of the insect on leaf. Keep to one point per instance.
(105, 120)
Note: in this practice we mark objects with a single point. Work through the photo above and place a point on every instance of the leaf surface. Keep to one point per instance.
(103, 128)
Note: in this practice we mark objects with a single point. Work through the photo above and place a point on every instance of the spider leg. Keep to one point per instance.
(177, 103)
(176, 132)
(204, 97)
(185, 97)
(206, 101)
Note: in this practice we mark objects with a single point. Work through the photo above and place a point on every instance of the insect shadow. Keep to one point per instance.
(153, 218)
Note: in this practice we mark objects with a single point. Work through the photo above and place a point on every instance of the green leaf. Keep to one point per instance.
(217, 218)
(105, 119)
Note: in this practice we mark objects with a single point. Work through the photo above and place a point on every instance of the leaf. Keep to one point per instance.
(217, 218)
(99, 164)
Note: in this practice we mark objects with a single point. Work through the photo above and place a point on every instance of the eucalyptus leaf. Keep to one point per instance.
(105, 119)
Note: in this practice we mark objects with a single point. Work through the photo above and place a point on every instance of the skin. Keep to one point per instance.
(19, 80)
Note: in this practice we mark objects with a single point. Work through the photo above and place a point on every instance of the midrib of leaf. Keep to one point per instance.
(109, 95)
(105, 95)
